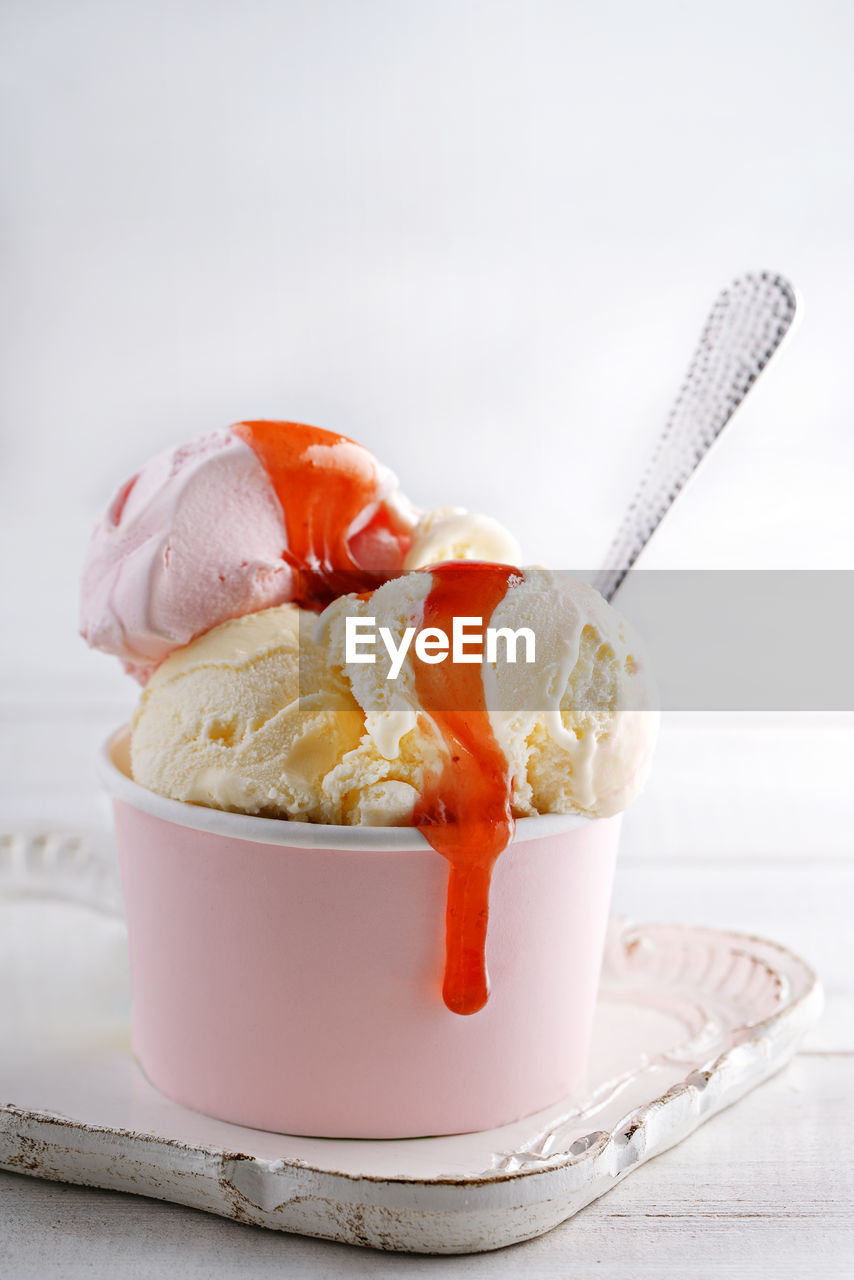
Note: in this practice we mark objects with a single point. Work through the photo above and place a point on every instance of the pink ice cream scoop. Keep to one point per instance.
(238, 520)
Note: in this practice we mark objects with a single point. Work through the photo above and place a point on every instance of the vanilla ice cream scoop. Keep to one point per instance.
(576, 724)
(452, 533)
(247, 718)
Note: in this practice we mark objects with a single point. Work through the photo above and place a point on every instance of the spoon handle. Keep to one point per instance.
(745, 327)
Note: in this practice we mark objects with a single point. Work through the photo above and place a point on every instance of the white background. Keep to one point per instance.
(481, 238)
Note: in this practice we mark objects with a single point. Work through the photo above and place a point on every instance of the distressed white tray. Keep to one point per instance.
(688, 1021)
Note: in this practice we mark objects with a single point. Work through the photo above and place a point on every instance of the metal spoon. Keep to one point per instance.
(745, 327)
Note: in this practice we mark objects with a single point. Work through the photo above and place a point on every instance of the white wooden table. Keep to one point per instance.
(747, 824)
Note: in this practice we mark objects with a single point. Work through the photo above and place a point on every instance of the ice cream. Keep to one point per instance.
(266, 715)
(295, 622)
(242, 519)
(452, 533)
(222, 723)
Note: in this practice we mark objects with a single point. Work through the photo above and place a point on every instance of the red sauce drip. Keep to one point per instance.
(465, 810)
(321, 496)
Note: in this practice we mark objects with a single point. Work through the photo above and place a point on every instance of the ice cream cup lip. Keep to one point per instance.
(239, 826)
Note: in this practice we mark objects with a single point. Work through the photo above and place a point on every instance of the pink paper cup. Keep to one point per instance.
(288, 976)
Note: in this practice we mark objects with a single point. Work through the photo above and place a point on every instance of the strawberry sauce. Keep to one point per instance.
(465, 808)
(324, 482)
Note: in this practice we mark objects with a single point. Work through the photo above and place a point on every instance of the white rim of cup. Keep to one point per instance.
(302, 835)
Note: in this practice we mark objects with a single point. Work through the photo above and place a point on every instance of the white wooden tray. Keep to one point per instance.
(688, 1021)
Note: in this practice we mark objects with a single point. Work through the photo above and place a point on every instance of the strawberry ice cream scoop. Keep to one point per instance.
(238, 520)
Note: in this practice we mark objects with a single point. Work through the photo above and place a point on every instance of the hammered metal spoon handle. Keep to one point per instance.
(745, 327)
